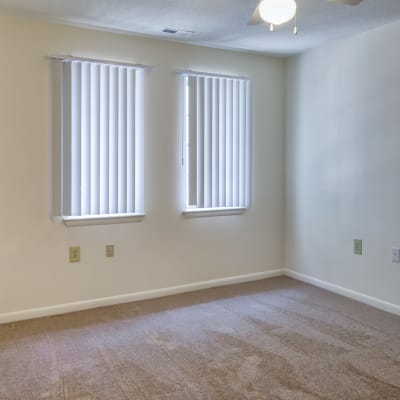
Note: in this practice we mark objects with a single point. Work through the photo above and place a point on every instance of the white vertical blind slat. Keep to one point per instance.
(200, 142)
(95, 139)
(235, 144)
(215, 143)
(130, 142)
(104, 137)
(191, 107)
(242, 142)
(207, 153)
(76, 139)
(113, 142)
(222, 143)
(228, 143)
(139, 142)
(122, 140)
(66, 140)
(85, 139)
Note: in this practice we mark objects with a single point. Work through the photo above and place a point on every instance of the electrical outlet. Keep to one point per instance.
(396, 255)
(110, 250)
(358, 247)
(74, 254)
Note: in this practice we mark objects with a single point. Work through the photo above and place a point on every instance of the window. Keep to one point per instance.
(98, 139)
(217, 132)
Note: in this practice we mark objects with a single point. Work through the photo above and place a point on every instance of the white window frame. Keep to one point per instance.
(195, 211)
(127, 141)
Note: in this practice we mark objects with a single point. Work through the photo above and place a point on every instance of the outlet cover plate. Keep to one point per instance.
(396, 255)
(358, 247)
(74, 254)
(110, 250)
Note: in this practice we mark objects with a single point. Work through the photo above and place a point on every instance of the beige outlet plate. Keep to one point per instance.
(110, 250)
(358, 247)
(74, 254)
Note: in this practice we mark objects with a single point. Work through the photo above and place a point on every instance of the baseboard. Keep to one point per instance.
(371, 301)
(130, 297)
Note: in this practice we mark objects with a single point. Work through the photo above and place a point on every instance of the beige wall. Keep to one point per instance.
(165, 249)
(343, 163)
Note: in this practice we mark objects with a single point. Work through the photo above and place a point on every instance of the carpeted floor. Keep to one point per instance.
(273, 339)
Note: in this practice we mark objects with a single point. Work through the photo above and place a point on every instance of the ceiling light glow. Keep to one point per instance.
(277, 12)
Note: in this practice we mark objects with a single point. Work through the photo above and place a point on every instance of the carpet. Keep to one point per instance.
(275, 339)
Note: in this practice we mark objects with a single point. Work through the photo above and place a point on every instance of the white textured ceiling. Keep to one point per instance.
(217, 23)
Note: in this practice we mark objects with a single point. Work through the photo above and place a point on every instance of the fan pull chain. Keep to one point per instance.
(295, 29)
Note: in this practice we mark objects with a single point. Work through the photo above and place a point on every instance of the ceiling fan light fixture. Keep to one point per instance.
(277, 12)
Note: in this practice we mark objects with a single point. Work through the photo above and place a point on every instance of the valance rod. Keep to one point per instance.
(212, 75)
(82, 59)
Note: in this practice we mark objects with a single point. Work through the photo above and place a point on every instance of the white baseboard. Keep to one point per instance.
(371, 301)
(130, 297)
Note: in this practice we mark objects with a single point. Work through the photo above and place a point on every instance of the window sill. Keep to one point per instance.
(102, 219)
(213, 212)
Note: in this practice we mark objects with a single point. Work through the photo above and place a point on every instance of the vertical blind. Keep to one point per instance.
(98, 112)
(217, 125)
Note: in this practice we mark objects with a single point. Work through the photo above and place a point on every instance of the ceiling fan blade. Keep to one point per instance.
(256, 18)
(348, 2)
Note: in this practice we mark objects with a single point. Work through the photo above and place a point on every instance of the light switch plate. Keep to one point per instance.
(110, 250)
(74, 254)
(396, 255)
(358, 247)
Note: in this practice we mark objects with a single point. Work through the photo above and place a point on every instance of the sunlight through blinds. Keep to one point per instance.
(217, 127)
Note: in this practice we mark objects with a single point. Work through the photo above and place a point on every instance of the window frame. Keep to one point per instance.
(58, 97)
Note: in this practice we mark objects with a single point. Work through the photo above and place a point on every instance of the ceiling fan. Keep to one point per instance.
(277, 12)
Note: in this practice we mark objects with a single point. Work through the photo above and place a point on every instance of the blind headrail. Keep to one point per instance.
(210, 74)
(92, 60)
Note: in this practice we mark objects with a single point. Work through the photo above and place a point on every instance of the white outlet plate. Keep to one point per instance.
(396, 255)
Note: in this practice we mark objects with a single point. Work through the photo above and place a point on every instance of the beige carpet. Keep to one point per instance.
(273, 339)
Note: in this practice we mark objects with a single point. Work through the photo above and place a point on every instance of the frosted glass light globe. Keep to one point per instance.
(277, 12)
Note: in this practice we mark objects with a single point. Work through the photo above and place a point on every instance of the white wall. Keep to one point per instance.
(343, 162)
(165, 249)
